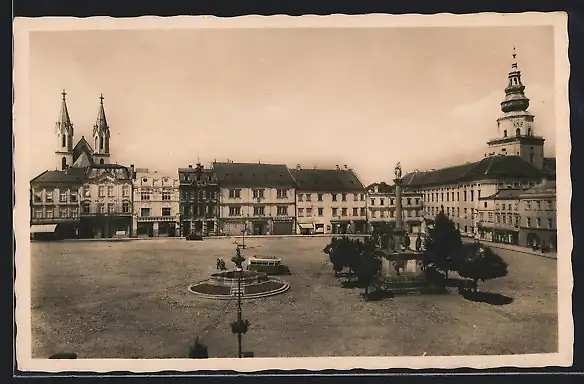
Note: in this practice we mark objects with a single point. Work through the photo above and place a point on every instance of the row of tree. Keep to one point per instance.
(444, 252)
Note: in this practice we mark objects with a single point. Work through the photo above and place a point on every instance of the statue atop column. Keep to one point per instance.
(398, 171)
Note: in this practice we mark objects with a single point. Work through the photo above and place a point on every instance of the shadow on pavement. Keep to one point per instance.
(486, 297)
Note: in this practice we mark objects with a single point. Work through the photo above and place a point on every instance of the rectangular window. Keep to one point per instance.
(110, 208)
(166, 195)
(49, 196)
(145, 194)
(344, 212)
(538, 221)
(144, 212)
(101, 191)
(110, 190)
(308, 212)
(355, 197)
(319, 196)
(101, 207)
(258, 193)
(74, 213)
(363, 212)
(334, 196)
(166, 211)
(86, 207)
(234, 211)
(235, 193)
(126, 191)
(308, 197)
(300, 197)
(550, 223)
(465, 199)
(355, 212)
(528, 222)
(335, 212)
(50, 212)
(38, 197)
(372, 201)
(362, 197)
(126, 207)
(38, 213)
(391, 202)
(344, 197)
(63, 213)
(63, 197)
(282, 193)
(258, 211)
(381, 201)
(321, 211)
(282, 211)
(472, 195)
(457, 196)
(300, 212)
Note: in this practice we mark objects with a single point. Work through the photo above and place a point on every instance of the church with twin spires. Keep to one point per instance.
(82, 154)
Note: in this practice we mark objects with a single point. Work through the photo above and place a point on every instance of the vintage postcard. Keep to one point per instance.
(315, 192)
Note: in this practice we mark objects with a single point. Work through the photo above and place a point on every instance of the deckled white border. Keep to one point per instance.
(22, 28)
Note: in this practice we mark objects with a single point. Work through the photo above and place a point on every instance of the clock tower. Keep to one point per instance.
(516, 135)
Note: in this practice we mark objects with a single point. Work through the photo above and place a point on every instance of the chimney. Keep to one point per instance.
(346, 166)
(133, 173)
(338, 166)
(298, 166)
(190, 165)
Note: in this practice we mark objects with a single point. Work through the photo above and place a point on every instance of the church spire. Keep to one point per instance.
(64, 132)
(64, 125)
(101, 134)
(515, 99)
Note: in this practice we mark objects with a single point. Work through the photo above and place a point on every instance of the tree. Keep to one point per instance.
(478, 262)
(368, 266)
(198, 350)
(443, 244)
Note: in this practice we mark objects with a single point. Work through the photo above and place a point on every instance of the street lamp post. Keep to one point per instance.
(240, 326)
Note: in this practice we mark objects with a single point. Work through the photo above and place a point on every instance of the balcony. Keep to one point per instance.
(148, 219)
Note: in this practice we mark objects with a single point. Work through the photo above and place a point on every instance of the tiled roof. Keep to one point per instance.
(120, 171)
(337, 180)
(81, 147)
(505, 194)
(548, 188)
(383, 187)
(71, 175)
(250, 175)
(491, 167)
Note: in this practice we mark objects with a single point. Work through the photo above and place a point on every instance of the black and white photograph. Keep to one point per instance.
(312, 192)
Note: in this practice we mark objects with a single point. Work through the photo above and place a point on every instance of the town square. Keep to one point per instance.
(299, 192)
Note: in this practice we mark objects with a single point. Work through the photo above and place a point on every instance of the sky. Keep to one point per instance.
(362, 97)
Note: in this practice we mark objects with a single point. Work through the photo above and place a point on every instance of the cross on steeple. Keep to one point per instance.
(101, 98)
(64, 94)
(514, 65)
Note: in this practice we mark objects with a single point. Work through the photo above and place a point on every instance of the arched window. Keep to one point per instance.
(96, 143)
(529, 131)
(505, 133)
(101, 143)
(531, 158)
(518, 132)
(63, 141)
(101, 161)
(64, 163)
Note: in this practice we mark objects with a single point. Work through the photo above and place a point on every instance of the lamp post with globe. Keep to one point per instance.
(240, 326)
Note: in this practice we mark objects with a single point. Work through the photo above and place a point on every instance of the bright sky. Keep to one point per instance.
(367, 97)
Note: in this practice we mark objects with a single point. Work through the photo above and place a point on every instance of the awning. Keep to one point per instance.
(305, 225)
(44, 228)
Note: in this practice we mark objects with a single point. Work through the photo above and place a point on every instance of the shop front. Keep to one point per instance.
(283, 227)
(233, 227)
(306, 228)
(259, 227)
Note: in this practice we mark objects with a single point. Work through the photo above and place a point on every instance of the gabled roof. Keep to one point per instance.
(69, 176)
(546, 188)
(117, 171)
(327, 180)
(383, 187)
(81, 147)
(491, 167)
(505, 194)
(252, 175)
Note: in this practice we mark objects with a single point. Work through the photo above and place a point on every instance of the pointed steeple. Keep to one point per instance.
(515, 99)
(63, 124)
(101, 134)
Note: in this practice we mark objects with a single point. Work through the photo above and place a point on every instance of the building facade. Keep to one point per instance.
(256, 199)
(199, 193)
(156, 204)
(538, 212)
(514, 160)
(381, 207)
(498, 216)
(330, 201)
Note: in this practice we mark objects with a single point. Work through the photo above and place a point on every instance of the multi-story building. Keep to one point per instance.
(74, 197)
(514, 160)
(381, 206)
(199, 193)
(538, 212)
(55, 203)
(330, 201)
(255, 198)
(498, 217)
(156, 204)
(106, 201)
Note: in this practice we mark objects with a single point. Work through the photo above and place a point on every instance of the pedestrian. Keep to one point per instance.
(418, 243)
